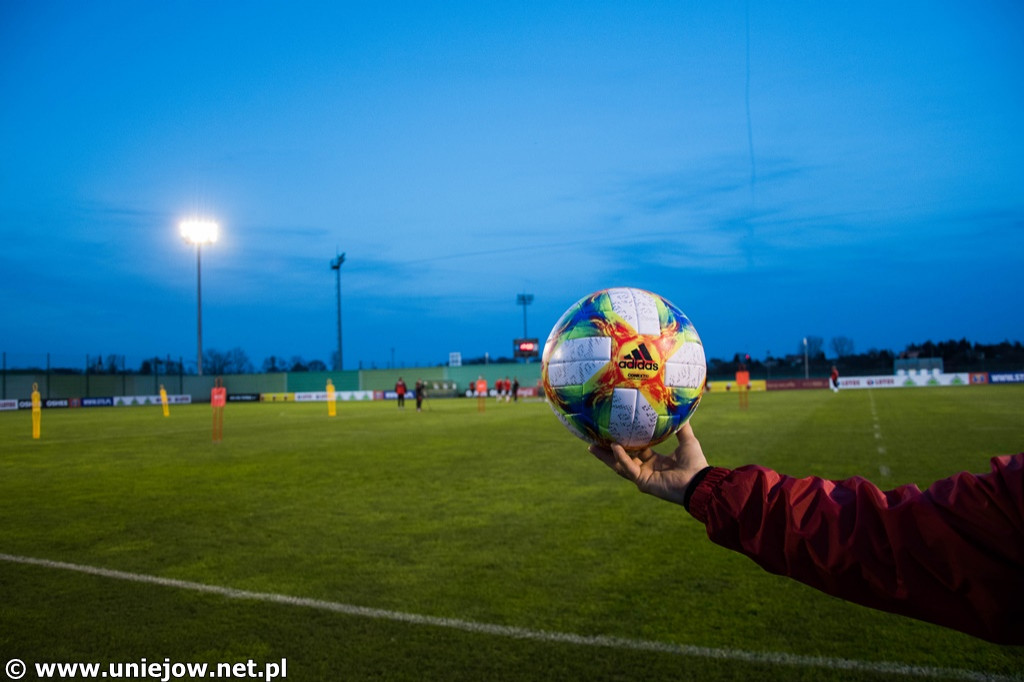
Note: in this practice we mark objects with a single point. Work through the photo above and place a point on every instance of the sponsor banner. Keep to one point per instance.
(960, 379)
(910, 380)
(55, 402)
(277, 397)
(243, 397)
(11, 404)
(106, 401)
(1006, 377)
(979, 377)
(134, 400)
(355, 395)
(723, 386)
(871, 382)
(344, 396)
(131, 400)
(791, 384)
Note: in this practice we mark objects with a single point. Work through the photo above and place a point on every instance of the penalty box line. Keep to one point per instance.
(512, 632)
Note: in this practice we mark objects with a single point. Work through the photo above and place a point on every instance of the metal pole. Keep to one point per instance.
(199, 310)
(341, 362)
(524, 300)
(336, 266)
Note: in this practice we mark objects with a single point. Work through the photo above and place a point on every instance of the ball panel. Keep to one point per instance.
(685, 374)
(648, 319)
(690, 353)
(573, 373)
(585, 348)
(636, 308)
(666, 427)
(632, 420)
(570, 424)
(620, 419)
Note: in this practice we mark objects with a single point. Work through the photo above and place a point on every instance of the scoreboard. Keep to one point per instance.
(526, 348)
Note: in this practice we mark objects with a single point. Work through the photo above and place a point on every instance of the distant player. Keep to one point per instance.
(218, 398)
(743, 385)
(163, 401)
(421, 390)
(37, 411)
(481, 393)
(400, 390)
(515, 390)
(833, 380)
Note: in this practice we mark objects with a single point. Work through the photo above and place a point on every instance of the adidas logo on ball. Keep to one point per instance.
(640, 358)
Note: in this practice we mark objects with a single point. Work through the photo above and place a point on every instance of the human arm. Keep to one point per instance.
(952, 554)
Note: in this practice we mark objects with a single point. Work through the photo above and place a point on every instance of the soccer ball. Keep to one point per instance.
(623, 366)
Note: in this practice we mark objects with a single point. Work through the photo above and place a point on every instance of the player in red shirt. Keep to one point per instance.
(481, 393)
(952, 554)
(218, 398)
(400, 390)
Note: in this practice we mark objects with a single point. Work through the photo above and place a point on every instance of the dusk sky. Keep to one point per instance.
(775, 169)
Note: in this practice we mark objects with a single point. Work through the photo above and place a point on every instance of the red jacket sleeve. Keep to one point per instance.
(951, 555)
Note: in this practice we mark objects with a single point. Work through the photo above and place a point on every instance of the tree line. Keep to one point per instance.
(957, 356)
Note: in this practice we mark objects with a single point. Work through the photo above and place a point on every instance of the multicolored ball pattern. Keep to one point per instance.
(623, 366)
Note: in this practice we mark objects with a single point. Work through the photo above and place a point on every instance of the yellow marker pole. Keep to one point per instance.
(163, 401)
(37, 411)
(332, 406)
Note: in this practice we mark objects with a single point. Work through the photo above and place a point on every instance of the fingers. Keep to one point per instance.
(625, 465)
(603, 454)
(617, 459)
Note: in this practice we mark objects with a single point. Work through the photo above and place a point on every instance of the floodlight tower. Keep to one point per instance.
(524, 300)
(199, 231)
(336, 266)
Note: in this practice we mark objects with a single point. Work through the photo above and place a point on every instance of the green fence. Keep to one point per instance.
(18, 384)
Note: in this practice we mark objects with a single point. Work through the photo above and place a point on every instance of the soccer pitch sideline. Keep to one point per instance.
(452, 544)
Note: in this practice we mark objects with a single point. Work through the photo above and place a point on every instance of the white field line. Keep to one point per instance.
(761, 657)
(882, 468)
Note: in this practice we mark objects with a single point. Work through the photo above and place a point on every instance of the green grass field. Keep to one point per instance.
(494, 519)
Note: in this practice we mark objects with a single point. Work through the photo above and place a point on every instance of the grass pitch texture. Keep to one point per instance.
(499, 519)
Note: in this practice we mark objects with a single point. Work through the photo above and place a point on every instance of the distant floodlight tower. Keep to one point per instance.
(524, 300)
(336, 266)
(807, 367)
(199, 231)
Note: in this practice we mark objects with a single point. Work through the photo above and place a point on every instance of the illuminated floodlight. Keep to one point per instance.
(198, 231)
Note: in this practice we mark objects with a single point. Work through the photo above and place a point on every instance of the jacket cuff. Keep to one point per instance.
(702, 489)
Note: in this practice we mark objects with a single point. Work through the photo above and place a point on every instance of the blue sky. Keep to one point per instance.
(839, 169)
